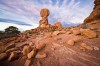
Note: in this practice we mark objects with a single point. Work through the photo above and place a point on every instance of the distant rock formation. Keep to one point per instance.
(93, 20)
(58, 25)
(44, 21)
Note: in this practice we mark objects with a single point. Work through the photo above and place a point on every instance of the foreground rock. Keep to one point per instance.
(27, 62)
(71, 42)
(88, 33)
(84, 46)
(3, 56)
(41, 55)
(40, 46)
(26, 50)
(31, 54)
(13, 56)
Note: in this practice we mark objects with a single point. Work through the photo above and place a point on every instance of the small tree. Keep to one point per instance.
(12, 30)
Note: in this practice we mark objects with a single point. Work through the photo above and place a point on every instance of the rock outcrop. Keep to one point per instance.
(93, 20)
(44, 21)
(58, 25)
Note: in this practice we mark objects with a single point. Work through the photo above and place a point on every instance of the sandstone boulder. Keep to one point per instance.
(31, 54)
(88, 33)
(41, 55)
(71, 42)
(40, 46)
(26, 50)
(13, 56)
(58, 24)
(85, 46)
(55, 33)
(76, 31)
(44, 12)
(28, 62)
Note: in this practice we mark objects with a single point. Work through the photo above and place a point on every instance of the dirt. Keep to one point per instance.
(59, 53)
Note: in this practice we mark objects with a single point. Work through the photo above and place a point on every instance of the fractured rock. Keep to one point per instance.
(12, 49)
(3, 56)
(31, 54)
(28, 62)
(13, 56)
(26, 50)
(10, 46)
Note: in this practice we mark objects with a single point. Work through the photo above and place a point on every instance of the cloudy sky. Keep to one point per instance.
(25, 14)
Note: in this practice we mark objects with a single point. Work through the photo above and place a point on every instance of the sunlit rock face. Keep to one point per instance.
(44, 21)
(93, 20)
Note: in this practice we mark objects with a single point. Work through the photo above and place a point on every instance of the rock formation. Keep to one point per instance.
(58, 25)
(44, 21)
(94, 17)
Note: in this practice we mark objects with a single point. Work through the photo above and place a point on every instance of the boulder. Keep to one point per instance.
(44, 12)
(13, 56)
(87, 47)
(88, 33)
(26, 50)
(41, 55)
(71, 42)
(58, 24)
(28, 62)
(31, 54)
(40, 46)
(55, 33)
(76, 31)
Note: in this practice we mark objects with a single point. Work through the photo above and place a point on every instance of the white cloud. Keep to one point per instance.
(69, 12)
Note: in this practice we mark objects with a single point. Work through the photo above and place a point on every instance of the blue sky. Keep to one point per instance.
(25, 14)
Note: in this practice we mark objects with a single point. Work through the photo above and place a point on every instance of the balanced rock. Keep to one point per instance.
(44, 12)
(44, 21)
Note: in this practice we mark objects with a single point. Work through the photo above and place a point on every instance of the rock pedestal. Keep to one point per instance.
(44, 21)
